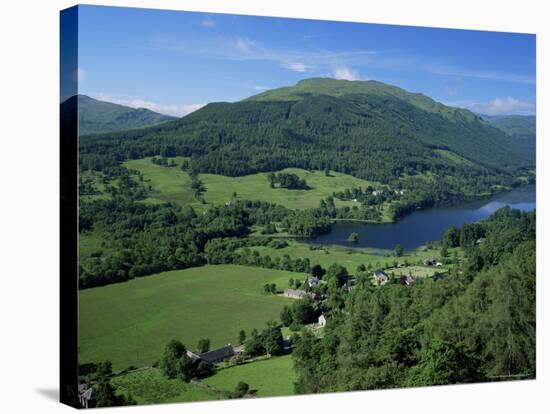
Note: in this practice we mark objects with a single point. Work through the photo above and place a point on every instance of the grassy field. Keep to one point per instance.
(168, 184)
(270, 377)
(130, 323)
(173, 184)
(219, 189)
(151, 387)
(348, 257)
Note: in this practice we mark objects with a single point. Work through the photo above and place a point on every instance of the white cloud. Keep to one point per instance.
(343, 72)
(245, 45)
(260, 88)
(503, 106)
(208, 22)
(167, 109)
(479, 74)
(296, 66)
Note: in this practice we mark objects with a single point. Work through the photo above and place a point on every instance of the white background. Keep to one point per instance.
(29, 189)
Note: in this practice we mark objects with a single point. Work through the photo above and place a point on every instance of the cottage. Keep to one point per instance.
(294, 293)
(313, 282)
(407, 280)
(430, 261)
(381, 277)
(322, 321)
(86, 397)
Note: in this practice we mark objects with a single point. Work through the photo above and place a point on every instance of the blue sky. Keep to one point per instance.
(175, 62)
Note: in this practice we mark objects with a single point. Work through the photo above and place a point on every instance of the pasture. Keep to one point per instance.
(130, 323)
(174, 185)
(270, 377)
(168, 184)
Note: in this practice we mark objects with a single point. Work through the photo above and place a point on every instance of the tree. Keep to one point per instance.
(353, 237)
(104, 369)
(170, 361)
(203, 345)
(242, 336)
(317, 271)
(253, 345)
(302, 311)
(286, 316)
(272, 339)
(186, 369)
(242, 389)
(444, 252)
(451, 237)
(361, 268)
(291, 282)
(105, 395)
(398, 251)
(272, 179)
(444, 362)
(337, 273)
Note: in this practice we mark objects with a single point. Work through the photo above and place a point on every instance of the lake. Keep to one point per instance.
(423, 226)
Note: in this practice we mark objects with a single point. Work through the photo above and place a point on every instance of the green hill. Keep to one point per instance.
(366, 129)
(96, 116)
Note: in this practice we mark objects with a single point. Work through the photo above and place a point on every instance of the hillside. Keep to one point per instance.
(517, 126)
(96, 116)
(367, 129)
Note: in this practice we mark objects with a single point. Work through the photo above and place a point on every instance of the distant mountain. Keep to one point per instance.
(96, 116)
(514, 125)
(365, 128)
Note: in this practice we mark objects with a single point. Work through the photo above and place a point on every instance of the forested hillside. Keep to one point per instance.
(477, 324)
(375, 135)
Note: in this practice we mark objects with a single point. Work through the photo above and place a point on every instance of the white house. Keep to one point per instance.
(322, 321)
(313, 281)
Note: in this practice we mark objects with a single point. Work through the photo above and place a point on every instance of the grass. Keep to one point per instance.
(219, 189)
(168, 184)
(454, 157)
(270, 377)
(151, 387)
(351, 258)
(130, 323)
(173, 184)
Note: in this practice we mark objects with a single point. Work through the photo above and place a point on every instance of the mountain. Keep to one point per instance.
(365, 128)
(514, 125)
(96, 116)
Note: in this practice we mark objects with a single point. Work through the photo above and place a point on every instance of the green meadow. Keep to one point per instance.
(174, 185)
(168, 184)
(130, 323)
(269, 377)
(348, 257)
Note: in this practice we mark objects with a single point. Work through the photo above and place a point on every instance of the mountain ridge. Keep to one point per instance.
(97, 116)
(368, 129)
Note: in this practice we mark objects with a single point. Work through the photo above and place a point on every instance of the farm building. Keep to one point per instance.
(381, 277)
(407, 280)
(430, 262)
(322, 321)
(313, 281)
(295, 293)
(214, 356)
